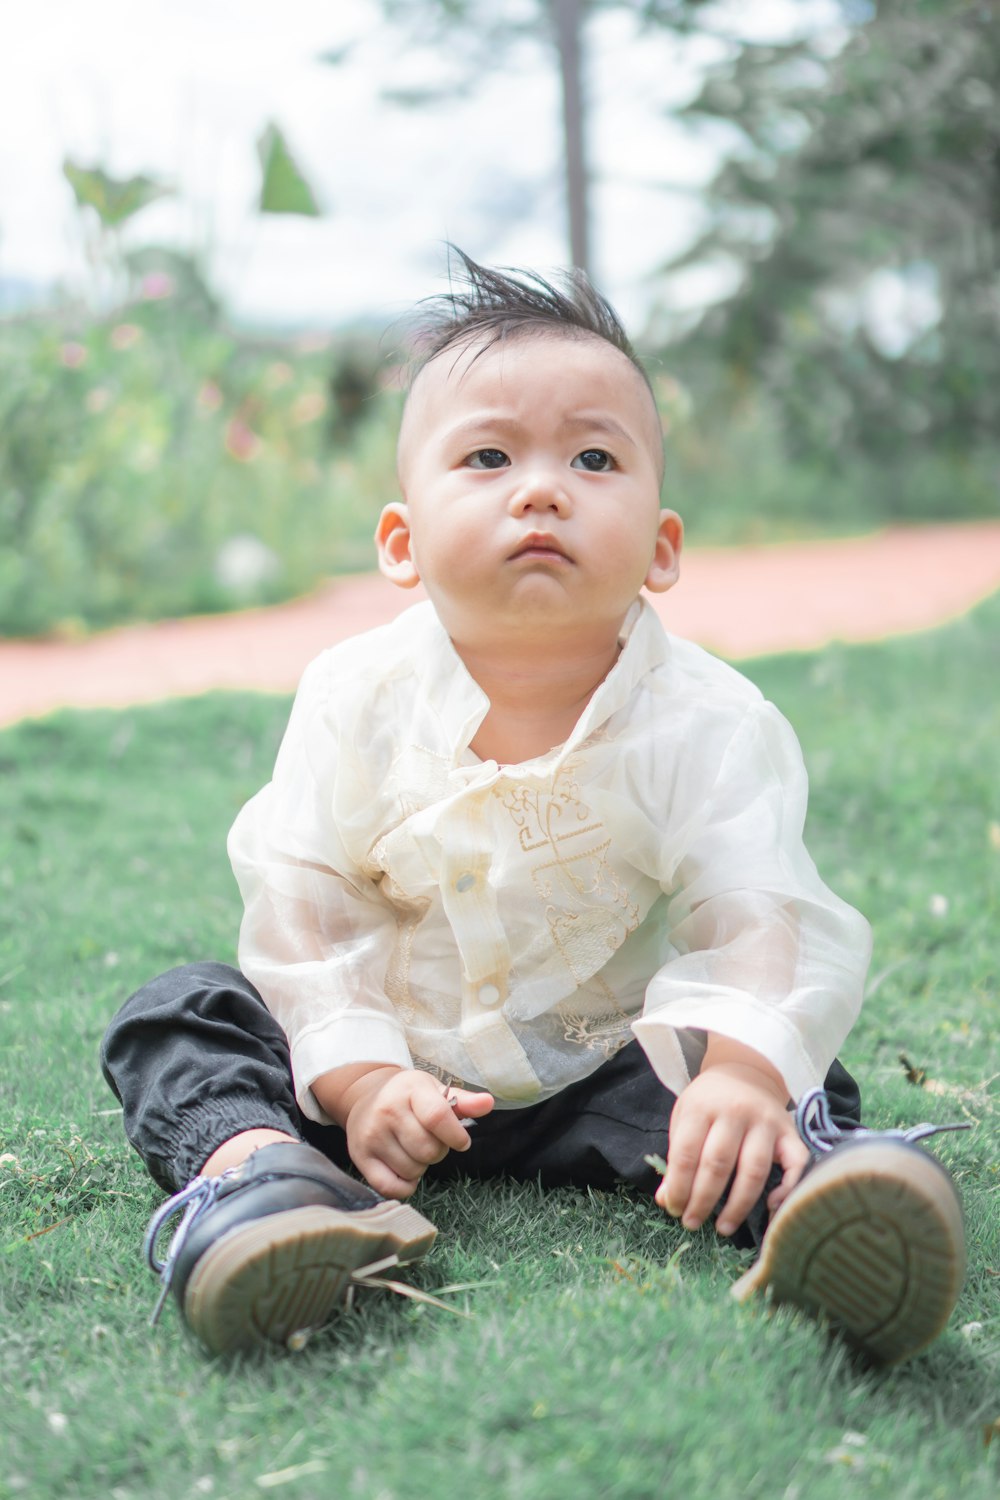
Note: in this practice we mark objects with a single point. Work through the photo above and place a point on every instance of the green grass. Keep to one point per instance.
(595, 1360)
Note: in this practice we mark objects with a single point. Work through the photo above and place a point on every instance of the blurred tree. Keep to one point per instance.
(353, 384)
(488, 35)
(859, 213)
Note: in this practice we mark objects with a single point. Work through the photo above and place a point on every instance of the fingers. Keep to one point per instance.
(442, 1114)
(696, 1178)
(379, 1175)
(793, 1156)
(726, 1133)
(432, 1123)
(406, 1135)
(410, 1156)
(683, 1155)
(752, 1171)
(471, 1105)
(700, 1162)
(406, 1125)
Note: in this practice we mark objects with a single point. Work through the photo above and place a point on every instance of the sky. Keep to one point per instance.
(182, 89)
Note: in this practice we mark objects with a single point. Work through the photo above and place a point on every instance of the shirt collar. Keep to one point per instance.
(645, 646)
(460, 705)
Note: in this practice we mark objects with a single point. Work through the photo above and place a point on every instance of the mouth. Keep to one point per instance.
(541, 546)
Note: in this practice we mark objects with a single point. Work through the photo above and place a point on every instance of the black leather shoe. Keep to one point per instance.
(870, 1239)
(266, 1251)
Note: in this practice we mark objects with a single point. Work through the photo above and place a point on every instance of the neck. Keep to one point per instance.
(536, 695)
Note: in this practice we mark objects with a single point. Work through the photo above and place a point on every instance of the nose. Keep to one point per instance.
(541, 489)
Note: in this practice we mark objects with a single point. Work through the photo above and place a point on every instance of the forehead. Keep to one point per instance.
(581, 370)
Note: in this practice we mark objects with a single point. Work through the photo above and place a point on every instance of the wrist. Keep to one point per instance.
(724, 1052)
(341, 1089)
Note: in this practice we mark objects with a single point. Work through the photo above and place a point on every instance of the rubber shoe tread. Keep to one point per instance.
(871, 1239)
(266, 1280)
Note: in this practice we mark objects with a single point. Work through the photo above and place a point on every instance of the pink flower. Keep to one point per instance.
(209, 397)
(98, 400)
(156, 286)
(241, 443)
(73, 356)
(125, 336)
(308, 408)
(278, 374)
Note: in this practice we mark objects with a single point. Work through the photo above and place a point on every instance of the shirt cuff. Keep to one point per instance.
(736, 1015)
(338, 1043)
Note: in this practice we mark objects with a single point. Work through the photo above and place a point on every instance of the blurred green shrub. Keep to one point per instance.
(154, 463)
(730, 474)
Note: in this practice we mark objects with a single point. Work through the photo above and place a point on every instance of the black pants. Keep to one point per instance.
(196, 1057)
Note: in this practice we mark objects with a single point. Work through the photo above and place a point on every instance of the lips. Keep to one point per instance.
(540, 544)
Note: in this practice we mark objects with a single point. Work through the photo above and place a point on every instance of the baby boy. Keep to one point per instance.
(526, 896)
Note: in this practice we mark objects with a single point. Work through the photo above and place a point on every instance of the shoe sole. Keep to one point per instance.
(873, 1241)
(275, 1277)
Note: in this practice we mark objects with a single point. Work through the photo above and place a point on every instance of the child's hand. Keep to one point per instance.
(731, 1117)
(400, 1121)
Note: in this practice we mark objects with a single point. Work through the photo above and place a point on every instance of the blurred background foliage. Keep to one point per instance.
(859, 216)
(156, 461)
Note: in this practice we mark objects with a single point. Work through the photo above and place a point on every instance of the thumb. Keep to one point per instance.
(793, 1157)
(470, 1104)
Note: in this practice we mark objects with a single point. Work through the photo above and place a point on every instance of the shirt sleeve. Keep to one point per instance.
(761, 950)
(316, 933)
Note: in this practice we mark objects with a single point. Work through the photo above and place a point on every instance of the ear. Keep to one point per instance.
(665, 567)
(392, 538)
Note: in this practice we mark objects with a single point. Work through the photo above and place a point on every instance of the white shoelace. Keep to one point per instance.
(197, 1198)
(199, 1195)
(821, 1133)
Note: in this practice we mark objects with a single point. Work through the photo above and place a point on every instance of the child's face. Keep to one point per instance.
(530, 474)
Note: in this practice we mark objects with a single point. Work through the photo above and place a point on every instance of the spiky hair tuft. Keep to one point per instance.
(486, 307)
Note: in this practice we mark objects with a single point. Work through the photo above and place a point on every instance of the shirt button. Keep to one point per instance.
(489, 995)
(465, 882)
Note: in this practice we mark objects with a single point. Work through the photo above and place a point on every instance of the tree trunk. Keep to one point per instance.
(567, 16)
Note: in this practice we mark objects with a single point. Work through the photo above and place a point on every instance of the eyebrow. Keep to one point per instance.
(584, 421)
(596, 422)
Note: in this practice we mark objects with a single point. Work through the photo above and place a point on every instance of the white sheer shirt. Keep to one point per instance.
(509, 927)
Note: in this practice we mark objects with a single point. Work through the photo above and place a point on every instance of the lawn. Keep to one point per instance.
(598, 1354)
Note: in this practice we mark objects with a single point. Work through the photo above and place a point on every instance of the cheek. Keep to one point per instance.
(452, 552)
(627, 541)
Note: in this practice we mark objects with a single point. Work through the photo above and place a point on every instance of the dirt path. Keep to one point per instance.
(738, 601)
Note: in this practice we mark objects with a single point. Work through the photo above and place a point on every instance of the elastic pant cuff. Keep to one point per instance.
(199, 1131)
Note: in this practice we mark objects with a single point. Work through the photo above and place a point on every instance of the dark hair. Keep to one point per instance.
(490, 306)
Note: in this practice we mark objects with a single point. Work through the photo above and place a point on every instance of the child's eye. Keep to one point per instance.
(594, 460)
(487, 458)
